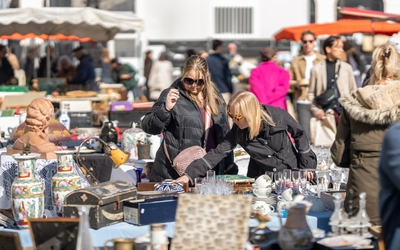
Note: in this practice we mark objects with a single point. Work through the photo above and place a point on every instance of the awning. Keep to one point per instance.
(58, 37)
(356, 13)
(341, 27)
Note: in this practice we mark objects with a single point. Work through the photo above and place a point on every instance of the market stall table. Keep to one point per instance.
(125, 230)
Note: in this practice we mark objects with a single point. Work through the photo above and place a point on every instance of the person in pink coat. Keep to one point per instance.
(268, 81)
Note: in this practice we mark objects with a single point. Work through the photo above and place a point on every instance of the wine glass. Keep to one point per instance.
(278, 182)
(336, 175)
(303, 180)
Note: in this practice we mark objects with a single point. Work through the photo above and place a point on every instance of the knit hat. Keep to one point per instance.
(395, 41)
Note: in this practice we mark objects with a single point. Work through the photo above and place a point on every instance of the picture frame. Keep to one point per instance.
(10, 241)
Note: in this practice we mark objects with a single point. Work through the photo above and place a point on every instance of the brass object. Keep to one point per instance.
(118, 157)
(262, 219)
(121, 244)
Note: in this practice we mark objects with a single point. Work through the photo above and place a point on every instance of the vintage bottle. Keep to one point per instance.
(129, 141)
(65, 180)
(84, 241)
(64, 118)
(27, 192)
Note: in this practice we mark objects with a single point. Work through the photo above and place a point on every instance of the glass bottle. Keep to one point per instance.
(336, 217)
(362, 217)
(84, 241)
(64, 119)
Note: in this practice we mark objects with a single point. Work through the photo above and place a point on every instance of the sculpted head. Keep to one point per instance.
(39, 114)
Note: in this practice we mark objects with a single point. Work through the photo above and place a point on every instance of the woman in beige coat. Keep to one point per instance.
(367, 114)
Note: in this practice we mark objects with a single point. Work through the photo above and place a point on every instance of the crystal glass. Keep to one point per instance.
(336, 175)
(287, 178)
(278, 182)
(296, 180)
(84, 241)
(303, 180)
(198, 183)
(270, 175)
(210, 175)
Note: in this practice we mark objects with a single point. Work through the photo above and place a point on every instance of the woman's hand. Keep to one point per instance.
(172, 97)
(183, 179)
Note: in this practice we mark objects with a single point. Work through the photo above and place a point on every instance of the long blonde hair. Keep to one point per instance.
(246, 104)
(210, 90)
(385, 64)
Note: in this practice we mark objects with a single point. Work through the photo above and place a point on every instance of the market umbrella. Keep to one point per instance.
(340, 27)
(58, 37)
(98, 25)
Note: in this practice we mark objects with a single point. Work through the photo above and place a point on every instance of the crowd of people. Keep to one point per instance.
(326, 91)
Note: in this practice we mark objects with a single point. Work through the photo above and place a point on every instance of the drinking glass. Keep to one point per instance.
(303, 180)
(278, 182)
(287, 177)
(296, 179)
(198, 183)
(336, 175)
(210, 175)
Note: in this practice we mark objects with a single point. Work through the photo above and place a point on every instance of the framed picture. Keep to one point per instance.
(10, 241)
(54, 233)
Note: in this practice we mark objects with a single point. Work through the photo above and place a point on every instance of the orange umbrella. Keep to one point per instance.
(340, 27)
(59, 37)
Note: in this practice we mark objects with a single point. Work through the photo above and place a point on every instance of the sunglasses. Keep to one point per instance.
(308, 41)
(237, 117)
(190, 81)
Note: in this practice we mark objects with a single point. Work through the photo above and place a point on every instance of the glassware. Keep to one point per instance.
(336, 217)
(198, 182)
(336, 175)
(296, 180)
(210, 175)
(345, 175)
(303, 180)
(270, 175)
(362, 217)
(84, 241)
(287, 177)
(278, 182)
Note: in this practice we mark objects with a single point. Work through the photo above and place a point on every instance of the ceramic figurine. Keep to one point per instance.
(296, 234)
(65, 180)
(168, 185)
(108, 133)
(27, 191)
(38, 118)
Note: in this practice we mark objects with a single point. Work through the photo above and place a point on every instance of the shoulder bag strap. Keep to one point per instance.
(336, 76)
(206, 129)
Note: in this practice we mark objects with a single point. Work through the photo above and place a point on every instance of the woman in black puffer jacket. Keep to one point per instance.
(180, 112)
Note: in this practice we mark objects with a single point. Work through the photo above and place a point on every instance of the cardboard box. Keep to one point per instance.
(146, 212)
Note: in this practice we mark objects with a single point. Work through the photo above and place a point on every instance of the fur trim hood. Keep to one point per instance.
(374, 104)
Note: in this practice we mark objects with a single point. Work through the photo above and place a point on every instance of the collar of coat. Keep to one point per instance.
(374, 104)
(320, 57)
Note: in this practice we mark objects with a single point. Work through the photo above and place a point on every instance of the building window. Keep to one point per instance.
(312, 11)
(362, 4)
(234, 20)
(58, 3)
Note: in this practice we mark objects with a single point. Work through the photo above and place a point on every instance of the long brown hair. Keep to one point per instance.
(210, 90)
(246, 104)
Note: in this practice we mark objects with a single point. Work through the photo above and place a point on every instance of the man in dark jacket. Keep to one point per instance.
(85, 75)
(220, 72)
(6, 72)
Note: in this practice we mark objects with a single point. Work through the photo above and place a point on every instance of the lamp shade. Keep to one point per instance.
(57, 132)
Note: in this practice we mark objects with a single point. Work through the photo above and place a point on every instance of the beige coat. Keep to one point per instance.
(366, 116)
(297, 73)
(345, 83)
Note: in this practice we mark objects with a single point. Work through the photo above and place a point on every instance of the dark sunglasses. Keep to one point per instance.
(237, 117)
(308, 41)
(190, 81)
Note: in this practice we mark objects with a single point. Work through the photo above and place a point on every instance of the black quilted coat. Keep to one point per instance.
(183, 127)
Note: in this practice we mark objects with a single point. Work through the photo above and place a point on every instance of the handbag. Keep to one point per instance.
(190, 154)
(323, 132)
(329, 95)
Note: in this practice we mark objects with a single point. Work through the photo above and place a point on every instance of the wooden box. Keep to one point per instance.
(106, 199)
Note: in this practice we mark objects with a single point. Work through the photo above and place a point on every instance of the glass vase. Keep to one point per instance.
(336, 217)
(84, 241)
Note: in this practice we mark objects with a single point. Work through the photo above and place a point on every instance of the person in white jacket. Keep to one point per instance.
(160, 76)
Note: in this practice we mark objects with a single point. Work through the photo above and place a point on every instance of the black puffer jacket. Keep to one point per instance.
(183, 127)
(271, 150)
